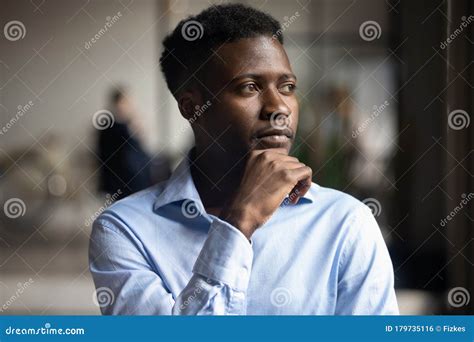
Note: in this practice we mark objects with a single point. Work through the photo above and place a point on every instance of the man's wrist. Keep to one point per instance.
(240, 218)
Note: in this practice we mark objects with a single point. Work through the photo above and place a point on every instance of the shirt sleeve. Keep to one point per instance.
(366, 279)
(127, 284)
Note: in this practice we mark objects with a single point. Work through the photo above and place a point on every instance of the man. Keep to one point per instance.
(239, 228)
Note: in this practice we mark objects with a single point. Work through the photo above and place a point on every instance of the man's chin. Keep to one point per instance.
(265, 144)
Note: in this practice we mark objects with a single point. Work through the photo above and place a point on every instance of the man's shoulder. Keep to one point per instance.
(334, 200)
(356, 217)
(143, 198)
(343, 212)
(133, 207)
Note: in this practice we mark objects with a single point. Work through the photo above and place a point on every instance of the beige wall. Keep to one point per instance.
(68, 83)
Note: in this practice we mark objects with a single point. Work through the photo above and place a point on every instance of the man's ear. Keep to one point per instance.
(187, 102)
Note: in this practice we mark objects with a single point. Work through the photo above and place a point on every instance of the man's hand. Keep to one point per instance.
(269, 176)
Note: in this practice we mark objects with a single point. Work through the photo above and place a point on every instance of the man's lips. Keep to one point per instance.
(275, 134)
(277, 139)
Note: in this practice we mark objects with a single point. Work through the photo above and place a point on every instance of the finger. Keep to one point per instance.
(279, 150)
(290, 164)
(282, 151)
(269, 156)
(303, 175)
(272, 153)
(302, 188)
(290, 158)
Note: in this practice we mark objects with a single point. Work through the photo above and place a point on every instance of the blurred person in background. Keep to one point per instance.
(337, 152)
(124, 164)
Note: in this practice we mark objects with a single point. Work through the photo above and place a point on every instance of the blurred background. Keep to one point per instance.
(386, 94)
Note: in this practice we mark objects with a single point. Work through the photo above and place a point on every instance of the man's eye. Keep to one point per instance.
(288, 88)
(249, 88)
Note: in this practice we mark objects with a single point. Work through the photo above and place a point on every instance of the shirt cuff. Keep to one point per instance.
(226, 256)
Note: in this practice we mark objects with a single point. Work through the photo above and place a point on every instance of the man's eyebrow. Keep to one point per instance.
(285, 76)
(288, 76)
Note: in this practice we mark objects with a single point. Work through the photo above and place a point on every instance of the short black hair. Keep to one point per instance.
(116, 94)
(192, 42)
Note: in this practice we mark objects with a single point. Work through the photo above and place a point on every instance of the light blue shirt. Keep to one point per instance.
(158, 252)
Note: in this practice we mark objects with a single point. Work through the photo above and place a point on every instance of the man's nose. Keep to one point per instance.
(273, 104)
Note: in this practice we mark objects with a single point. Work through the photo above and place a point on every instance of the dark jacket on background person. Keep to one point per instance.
(124, 165)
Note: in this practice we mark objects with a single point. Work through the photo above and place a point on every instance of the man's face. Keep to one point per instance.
(255, 105)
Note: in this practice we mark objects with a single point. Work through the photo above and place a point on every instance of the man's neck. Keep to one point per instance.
(216, 177)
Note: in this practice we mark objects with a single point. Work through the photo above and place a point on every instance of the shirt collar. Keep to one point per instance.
(180, 186)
